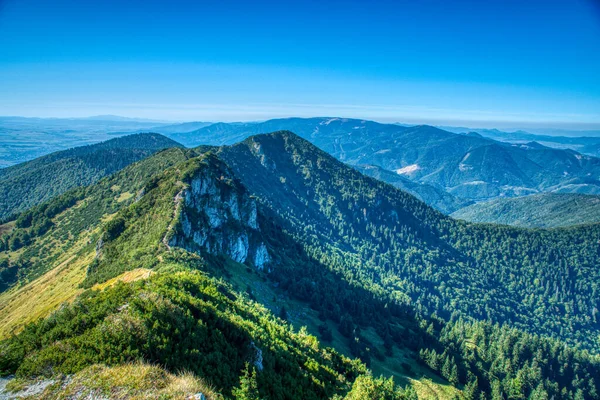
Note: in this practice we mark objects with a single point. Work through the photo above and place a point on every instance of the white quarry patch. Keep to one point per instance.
(474, 183)
(408, 169)
(464, 167)
(329, 121)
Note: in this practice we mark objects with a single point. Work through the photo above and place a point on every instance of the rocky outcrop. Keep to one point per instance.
(256, 148)
(217, 216)
(258, 357)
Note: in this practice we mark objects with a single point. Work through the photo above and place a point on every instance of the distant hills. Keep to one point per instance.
(546, 210)
(23, 139)
(469, 167)
(447, 170)
(118, 118)
(33, 182)
(177, 130)
(585, 142)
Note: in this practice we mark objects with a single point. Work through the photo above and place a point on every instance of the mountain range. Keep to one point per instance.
(585, 142)
(470, 167)
(184, 258)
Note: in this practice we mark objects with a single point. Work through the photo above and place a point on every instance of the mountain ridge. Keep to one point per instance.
(374, 269)
(435, 156)
(33, 182)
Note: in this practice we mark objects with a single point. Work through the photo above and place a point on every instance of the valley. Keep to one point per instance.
(547, 210)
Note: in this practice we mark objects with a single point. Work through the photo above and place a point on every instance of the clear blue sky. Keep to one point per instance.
(485, 63)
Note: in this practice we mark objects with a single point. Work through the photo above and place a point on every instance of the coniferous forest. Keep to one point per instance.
(300, 200)
(269, 269)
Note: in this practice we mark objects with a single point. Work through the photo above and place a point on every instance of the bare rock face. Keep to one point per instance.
(261, 257)
(264, 160)
(258, 357)
(217, 216)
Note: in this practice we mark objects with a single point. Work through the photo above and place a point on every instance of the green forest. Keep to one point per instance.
(33, 182)
(497, 312)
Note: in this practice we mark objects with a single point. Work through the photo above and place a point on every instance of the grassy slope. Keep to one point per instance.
(40, 297)
(58, 260)
(141, 311)
(548, 210)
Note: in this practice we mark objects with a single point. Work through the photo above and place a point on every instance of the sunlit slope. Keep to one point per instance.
(33, 182)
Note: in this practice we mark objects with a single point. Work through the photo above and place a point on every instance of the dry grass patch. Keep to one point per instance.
(427, 389)
(38, 298)
(7, 228)
(132, 381)
(124, 197)
(129, 276)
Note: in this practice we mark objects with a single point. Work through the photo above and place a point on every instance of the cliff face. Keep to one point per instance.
(217, 216)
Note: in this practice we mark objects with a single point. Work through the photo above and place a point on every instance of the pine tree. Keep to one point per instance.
(434, 361)
(539, 393)
(471, 390)
(454, 375)
(447, 368)
(248, 389)
(497, 390)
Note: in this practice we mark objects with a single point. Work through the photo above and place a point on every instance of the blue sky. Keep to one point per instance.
(479, 63)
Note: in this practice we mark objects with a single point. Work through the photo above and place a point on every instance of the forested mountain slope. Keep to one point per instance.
(33, 182)
(384, 237)
(177, 315)
(546, 210)
(467, 166)
(375, 272)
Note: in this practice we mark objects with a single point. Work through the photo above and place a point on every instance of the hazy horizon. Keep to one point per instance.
(482, 64)
(507, 126)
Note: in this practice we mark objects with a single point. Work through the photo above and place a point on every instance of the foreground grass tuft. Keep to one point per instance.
(130, 381)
